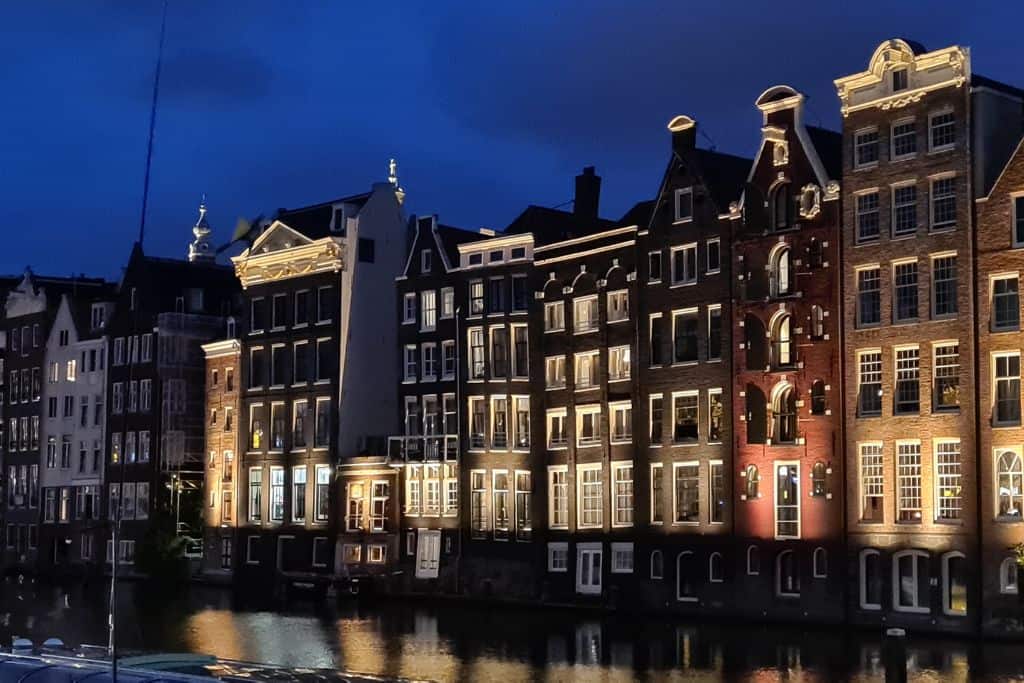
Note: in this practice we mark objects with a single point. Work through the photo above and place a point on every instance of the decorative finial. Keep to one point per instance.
(199, 249)
(393, 172)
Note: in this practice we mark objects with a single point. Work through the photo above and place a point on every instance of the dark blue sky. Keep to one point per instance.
(487, 106)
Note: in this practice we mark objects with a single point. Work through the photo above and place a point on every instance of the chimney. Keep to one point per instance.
(684, 134)
(588, 194)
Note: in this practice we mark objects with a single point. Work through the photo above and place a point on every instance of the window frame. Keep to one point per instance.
(916, 608)
(581, 500)
(677, 217)
(932, 148)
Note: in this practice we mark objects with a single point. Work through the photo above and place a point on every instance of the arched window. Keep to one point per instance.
(753, 561)
(820, 563)
(818, 486)
(910, 581)
(757, 414)
(787, 575)
(817, 322)
(782, 272)
(780, 206)
(231, 328)
(1010, 474)
(782, 341)
(784, 414)
(716, 573)
(686, 577)
(657, 565)
(818, 397)
(870, 579)
(753, 481)
(1008, 576)
(954, 584)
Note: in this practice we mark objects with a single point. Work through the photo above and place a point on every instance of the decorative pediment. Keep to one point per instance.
(285, 253)
(276, 238)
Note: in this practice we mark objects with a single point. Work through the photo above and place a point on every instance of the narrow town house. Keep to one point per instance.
(316, 398)
(921, 134)
(156, 417)
(788, 471)
(679, 325)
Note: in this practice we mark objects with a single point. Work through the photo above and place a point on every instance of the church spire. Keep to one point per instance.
(199, 249)
(393, 179)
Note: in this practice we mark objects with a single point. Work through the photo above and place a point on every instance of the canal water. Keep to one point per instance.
(458, 642)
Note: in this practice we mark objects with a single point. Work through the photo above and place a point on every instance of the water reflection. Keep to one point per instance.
(451, 642)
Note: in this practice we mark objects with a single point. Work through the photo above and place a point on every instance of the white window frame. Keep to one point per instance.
(675, 492)
(892, 139)
(619, 549)
(430, 347)
(447, 308)
(617, 466)
(993, 278)
(862, 579)
(661, 468)
(625, 359)
(912, 609)
(920, 479)
(580, 502)
(428, 322)
(1005, 586)
(564, 414)
(588, 550)
(552, 470)
(617, 294)
(937, 477)
(556, 548)
(548, 362)
(857, 165)
(1014, 196)
(593, 324)
(933, 115)
(707, 256)
(554, 306)
(618, 407)
(679, 193)
(947, 609)
(931, 200)
(721, 566)
(683, 279)
(775, 501)
(588, 409)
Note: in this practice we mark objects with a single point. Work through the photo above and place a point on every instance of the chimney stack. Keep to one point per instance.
(684, 134)
(588, 194)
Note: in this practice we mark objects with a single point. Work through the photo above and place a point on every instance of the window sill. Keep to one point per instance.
(941, 229)
(682, 221)
(586, 388)
(911, 610)
(618, 380)
(686, 523)
(618, 320)
(324, 322)
(658, 281)
(1001, 330)
(685, 443)
(552, 331)
(910, 234)
(625, 441)
(677, 285)
(869, 166)
(588, 445)
(588, 330)
(559, 387)
(685, 363)
(944, 148)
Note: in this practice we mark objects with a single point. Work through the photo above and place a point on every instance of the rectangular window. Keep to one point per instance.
(557, 437)
(619, 363)
(904, 137)
(428, 308)
(257, 368)
(255, 494)
(618, 306)
(554, 316)
(591, 496)
(867, 217)
(429, 355)
(685, 412)
(684, 336)
(521, 423)
(585, 375)
(584, 311)
(869, 383)
(499, 422)
(523, 492)
(942, 131)
(944, 294)
(299, 493)
(558, 497)
(716, 413)
(500, 503)
(380, 500)
(948, 494)
(684, 204)
(448, 359)
(302, 308)
(657, 419)
(1018, 221)
(654, 264)
(787, 500)
(300, 362)
(519, 293)
(432, 490)
(278, 425)
(1005, 303)
(622, 421)
(657, 339)
(714, 255)
(322, 426)
(588, 425)
(477, 421)
(684, 265)
(409, 308)
(257, 319)
(622, 558)
(908, 481)
(447, 302)
(872, 482)
(904, 291)
(717, 486)
(256, 441)
(278, 365)
(476, 353)
(520, 352)
(279, 312)
(943, 203)
(558, 557)
(554, 372)
(321, 502)
(1007, 389)
(277, 494)
(479, 516)
(657, 494)
(904, 210)
(325, 300)
(947, 376)
(907, 397)
(622, 483)
(686, 492)
(714, 332)
(451, 490)
(476, 297)
(496, 295)
(865, 147)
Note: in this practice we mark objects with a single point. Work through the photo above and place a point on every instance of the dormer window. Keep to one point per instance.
(425, 263)
(899, 80)
(338, 222)
(476, 259)
(684, 204)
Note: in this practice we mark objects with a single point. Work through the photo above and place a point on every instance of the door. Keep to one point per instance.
(588, 568)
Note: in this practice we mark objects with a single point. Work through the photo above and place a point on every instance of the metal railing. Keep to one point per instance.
(419, 448)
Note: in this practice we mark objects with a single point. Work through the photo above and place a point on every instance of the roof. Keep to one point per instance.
(986, 82)
(723, 174)
(640, 214)
(829, 145)
(315, 221)
(554, 225)
(451, 237)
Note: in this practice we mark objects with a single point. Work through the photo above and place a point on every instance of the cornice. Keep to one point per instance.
(325, 255)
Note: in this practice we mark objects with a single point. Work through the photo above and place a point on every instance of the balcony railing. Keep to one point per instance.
(423, 448)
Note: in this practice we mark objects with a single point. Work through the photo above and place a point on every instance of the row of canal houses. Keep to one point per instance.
(786, 387)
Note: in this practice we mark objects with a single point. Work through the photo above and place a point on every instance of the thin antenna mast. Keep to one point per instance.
(152, 126)
(116, 531)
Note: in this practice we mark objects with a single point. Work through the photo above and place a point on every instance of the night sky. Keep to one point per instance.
(487, 106)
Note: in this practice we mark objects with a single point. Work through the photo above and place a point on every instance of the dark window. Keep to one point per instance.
(277, 365)
(257, 369)
(519, 294)
(781, 207)
(258, 315)
(338, 227)
(657, 340)
(869, 300)
(714, 333)
(714, 256)
(657, 418)
(366, 250)
(301, 307)
(654, 259)
(685, 334)
(301, 363)
(496, 303)
(899, 80)
(324, 360)
(818, 397)
(905, 284)
(325, 304)
(280, 310)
